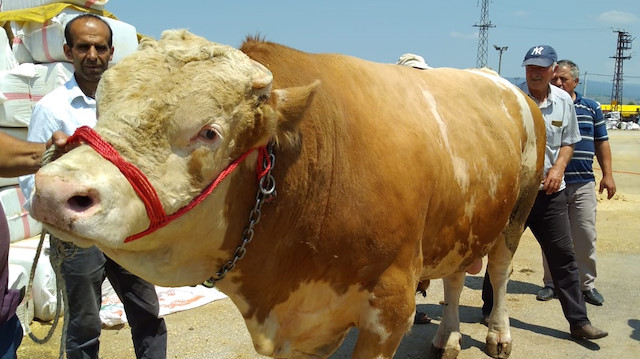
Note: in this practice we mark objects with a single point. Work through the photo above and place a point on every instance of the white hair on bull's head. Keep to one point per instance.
(186, 47)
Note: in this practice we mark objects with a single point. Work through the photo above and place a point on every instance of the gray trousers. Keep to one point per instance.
(581, 203)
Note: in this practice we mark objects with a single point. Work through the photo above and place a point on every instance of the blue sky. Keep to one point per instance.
(441, 31)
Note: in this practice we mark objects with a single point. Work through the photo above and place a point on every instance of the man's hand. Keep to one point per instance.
(608, 183)
(555, 175)
(553, 181)
(59, 139)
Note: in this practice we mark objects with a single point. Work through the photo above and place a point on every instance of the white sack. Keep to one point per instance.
(21, 224)
(19, 48)
(43, 288)
(7, 59)
(18, 278)
(8, 5)
(24, 85)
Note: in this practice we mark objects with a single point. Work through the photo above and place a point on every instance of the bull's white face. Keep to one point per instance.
(180, 110)
(71, 200)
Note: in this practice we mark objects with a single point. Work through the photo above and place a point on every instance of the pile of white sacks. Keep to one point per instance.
(32, 64)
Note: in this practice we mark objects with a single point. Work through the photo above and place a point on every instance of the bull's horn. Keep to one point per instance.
(262, 79)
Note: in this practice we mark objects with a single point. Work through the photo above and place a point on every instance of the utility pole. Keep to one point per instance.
(624, 43)
(584, 85)
(501, 49)
(483, 37)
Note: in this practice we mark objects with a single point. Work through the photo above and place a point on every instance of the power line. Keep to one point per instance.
(555, 28)
(609, 75)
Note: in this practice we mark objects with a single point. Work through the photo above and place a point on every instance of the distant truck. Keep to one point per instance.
(626, 113)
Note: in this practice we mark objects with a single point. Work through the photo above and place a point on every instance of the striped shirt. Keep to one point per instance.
(592, 128)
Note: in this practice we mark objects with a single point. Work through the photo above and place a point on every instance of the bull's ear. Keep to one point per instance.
(261, 79)
(290, 104)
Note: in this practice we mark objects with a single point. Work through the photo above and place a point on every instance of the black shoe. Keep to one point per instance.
(421, 318)
(588, 331)
(545, 294)
(592, 296)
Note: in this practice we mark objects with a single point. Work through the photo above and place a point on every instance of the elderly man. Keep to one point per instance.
(548, 219)
(581, 192)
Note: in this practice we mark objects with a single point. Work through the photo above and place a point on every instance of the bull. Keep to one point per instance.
(315, 190)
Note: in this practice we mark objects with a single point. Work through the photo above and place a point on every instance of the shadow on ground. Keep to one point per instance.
(417, 343)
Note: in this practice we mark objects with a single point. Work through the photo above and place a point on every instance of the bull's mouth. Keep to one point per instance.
(68, 236)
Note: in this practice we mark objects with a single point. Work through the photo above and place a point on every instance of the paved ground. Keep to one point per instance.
(539, 329)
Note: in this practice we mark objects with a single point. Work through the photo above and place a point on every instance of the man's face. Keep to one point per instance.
(90, 53)
(562, 78)
(538, 77)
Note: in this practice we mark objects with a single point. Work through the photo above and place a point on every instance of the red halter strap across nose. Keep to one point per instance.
(157, 217)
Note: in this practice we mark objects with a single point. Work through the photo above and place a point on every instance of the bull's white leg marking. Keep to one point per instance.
(448, 336)
(460, 167)
(499, 267)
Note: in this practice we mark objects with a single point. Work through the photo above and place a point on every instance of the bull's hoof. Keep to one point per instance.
(499, 350)
(443, 353)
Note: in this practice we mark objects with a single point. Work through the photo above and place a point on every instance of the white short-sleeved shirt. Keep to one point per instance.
(64, 109)
(561, 124)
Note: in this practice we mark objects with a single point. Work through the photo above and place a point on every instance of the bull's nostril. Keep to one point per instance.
(80, 203)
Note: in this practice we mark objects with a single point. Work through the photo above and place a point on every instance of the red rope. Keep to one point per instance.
(143, 187)
(136, 178)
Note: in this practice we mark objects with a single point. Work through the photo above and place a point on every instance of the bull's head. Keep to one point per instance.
(180, 110)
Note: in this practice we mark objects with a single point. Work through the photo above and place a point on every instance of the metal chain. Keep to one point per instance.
(266, 193)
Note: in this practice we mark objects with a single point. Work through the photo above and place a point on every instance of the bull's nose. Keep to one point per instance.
(59, 200)
(82, 202)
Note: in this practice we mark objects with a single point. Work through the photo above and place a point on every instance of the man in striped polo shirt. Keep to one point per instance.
(581, 193)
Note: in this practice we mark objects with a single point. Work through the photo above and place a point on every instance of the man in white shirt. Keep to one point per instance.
(548, 219)
(89, 47)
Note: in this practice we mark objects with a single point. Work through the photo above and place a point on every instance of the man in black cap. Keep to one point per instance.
(548, 219)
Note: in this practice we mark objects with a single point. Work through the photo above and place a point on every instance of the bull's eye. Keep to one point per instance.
(208, 134)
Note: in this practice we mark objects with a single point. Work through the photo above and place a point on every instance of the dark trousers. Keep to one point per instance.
(84, 270)
(549, 223)
(10, 337)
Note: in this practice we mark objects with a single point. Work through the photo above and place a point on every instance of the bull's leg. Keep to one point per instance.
(446, 343)
(386, 317)
(499, 268)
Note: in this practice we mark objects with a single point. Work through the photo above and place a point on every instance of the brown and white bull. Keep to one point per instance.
(385, 176)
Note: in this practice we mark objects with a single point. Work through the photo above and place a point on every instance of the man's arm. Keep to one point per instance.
(19, 157)
(553, 181)
(603, 154)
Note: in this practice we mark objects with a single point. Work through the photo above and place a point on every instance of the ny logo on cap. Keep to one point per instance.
(537, 50)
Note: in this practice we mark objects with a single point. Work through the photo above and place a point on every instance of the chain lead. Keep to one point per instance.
(266, 193)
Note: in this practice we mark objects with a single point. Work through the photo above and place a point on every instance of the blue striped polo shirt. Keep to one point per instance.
(592, 128)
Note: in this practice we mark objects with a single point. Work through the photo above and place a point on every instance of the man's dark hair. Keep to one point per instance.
(67, 31)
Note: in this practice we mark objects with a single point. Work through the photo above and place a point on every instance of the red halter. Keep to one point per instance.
(143, 187)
